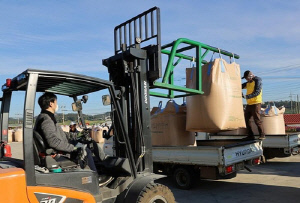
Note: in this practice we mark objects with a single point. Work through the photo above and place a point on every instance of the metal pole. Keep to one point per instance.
(291, 102)
(297, 103)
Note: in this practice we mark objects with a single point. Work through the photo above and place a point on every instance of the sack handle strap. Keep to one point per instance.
(221, 62)
(174, 104)
(210, 64)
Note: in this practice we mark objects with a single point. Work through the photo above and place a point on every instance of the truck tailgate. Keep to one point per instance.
(241, 153)
(294, 140)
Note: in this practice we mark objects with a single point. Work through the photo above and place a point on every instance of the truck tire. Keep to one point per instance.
(183, 178)
(156, 193)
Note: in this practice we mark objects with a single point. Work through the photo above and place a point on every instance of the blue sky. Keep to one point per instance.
(76, 35)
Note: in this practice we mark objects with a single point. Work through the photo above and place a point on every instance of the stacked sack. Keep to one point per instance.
(221, 105)
(168, 126)
(273, 121)
(18, 135)
(97, 133)
(10, 136)
(65, 128)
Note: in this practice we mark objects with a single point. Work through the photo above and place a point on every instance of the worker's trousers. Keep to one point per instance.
(254, 111)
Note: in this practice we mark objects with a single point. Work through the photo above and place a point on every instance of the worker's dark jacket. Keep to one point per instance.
(47, 127)
(72, 136)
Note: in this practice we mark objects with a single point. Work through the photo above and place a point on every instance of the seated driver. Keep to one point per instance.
(48, 127)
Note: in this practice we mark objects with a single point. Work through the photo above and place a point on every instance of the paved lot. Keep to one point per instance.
(276, 181)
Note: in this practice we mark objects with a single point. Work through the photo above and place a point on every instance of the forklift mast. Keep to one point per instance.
(133, 69)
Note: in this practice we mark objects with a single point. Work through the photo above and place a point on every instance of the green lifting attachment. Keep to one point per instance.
(176, 52)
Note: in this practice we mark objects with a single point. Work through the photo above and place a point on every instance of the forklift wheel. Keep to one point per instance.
(183, 178)
(156, 193)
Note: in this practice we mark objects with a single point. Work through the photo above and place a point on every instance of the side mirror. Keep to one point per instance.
(77, 106)
(106, 100)
(84, 98)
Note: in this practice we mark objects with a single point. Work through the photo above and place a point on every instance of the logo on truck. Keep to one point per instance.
(244, 152)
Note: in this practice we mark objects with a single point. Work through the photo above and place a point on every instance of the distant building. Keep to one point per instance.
(292, 122)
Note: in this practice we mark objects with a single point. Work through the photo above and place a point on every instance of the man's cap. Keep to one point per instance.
(247, 73)
(72, 123)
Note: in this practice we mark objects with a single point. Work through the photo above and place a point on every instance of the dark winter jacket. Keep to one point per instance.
(52, 132)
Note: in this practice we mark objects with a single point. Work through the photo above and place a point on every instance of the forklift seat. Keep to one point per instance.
(44, 156)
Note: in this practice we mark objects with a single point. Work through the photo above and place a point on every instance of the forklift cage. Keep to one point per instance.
(138, 30)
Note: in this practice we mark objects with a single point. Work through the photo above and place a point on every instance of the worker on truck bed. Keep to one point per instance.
(73, 132)
(55, 137)
(254, 100)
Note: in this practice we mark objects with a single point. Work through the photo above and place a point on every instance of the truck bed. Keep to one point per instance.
(209, 152)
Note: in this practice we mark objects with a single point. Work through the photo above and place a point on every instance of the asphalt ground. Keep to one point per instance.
(277, 181)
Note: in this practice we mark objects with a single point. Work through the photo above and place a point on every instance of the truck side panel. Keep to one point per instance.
(13, 185)
(208, 156)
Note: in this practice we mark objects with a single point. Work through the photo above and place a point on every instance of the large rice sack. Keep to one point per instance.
(18, 135)
(168, 126)
(10, 136)
(98, 135)
(65, 128)
(221, 105)
(272, 121)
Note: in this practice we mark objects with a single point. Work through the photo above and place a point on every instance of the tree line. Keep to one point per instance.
(291, 107)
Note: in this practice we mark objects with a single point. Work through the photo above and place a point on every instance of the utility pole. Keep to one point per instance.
(63, 113)
(295, 109)
(297, 103)
(291, 102)
(17, 115)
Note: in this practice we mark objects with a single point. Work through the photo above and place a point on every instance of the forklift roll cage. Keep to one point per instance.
(61, 83)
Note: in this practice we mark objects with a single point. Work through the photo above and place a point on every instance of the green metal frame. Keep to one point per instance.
(168, 78)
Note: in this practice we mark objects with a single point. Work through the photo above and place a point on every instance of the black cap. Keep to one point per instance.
(247, 73)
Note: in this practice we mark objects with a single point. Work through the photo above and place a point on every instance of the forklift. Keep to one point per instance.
(132, 70)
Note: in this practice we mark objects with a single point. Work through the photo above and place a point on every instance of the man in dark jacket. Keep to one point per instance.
(254, 100)
(73, 132)
(48, 127)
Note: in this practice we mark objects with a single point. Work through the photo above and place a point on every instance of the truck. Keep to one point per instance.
(273, 146)
(126, 177)
(211, 159)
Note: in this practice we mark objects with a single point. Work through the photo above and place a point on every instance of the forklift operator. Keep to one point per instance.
(55, 137)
